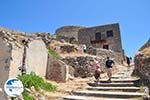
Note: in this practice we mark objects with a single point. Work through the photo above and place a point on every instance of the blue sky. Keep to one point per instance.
(48, 15)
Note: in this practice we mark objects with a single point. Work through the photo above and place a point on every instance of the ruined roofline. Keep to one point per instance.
(74, 26)
(101, 26)
(68, 27)
(71, 27)
(105, 25)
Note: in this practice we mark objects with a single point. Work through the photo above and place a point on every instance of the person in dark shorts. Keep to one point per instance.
(109, 64)
(128, 61)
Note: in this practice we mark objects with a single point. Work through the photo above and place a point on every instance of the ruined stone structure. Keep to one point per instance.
(16, 57)
(68, 32)
(106, 37)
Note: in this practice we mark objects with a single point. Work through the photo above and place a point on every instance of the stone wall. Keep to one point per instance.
(142, 64)
(88, 35)
(70, 48)
(68, 32)
(4, 65)
(80, 66)
(16, 61)
(56, 70)
(36, 58)
(142, 69)
(118, 57)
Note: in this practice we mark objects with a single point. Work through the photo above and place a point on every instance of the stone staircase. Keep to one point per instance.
(122, 87)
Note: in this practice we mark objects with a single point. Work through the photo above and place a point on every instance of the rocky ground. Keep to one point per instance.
(142, 64)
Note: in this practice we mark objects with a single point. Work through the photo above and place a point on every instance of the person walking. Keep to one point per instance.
(84, 48)
(128, 61)
(97, 70)
(109, 64)
(95, 66)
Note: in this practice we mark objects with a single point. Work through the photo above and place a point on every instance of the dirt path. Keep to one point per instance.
(67, 87)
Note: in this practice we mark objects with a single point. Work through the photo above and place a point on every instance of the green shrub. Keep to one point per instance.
(27, 96)
(53, 53)
(37, 82)
(74, 42)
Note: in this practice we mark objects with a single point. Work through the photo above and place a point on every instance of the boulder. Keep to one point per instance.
(36, 57)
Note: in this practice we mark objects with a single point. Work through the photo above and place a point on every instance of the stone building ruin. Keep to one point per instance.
(104, 36)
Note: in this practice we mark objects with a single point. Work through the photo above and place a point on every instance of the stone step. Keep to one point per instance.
(127, 89)
(120, 76)
(120, 73)
(108, 94)
(120, 80)
(104, 98)
(75, 97)
(126, 84)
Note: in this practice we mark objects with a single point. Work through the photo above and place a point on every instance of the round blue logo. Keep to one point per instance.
(13, 87)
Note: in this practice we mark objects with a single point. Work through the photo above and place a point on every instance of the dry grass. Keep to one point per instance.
(67, 88)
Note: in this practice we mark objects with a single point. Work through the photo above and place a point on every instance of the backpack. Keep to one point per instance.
(109, 63)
